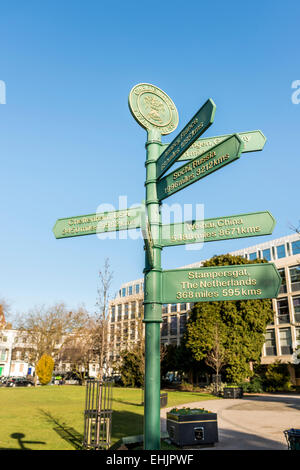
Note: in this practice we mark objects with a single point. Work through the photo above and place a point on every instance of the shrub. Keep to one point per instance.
(254, 386)
(277, 378)
(44, 369)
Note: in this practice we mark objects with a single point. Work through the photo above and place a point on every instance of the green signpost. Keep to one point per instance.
(253, 142)
(156, 112)
(98, 223)
(219, 228)
(220, 155)
(235, 282)
(191, 132)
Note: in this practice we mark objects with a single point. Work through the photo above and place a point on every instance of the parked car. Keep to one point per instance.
(19, 382)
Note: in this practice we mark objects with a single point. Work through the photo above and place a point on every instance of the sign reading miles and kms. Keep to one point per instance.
(218, 228)
(98, 223)
(220, 155)
(191, 132)
(236, 282)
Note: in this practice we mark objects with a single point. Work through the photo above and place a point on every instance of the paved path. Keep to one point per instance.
(251, 423)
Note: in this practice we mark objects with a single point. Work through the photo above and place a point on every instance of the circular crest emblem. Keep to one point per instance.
(152, 108)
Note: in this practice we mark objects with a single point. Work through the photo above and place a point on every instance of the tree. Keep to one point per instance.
(131, 368)
(230, 332)
(131, 365)
(77, 349)
(44, 369)
(101, 343)
(4, 311)
(45, 329)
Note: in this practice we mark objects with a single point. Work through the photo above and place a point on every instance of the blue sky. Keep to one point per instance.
(68, 142)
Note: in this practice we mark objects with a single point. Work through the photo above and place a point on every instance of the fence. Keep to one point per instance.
(97, 415)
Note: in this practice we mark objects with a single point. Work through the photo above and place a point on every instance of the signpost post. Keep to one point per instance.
(156, 112)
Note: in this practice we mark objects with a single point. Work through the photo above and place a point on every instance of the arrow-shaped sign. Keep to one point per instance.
(236, 282)
(191, 132)
(254, 141)
(98, 223)
(219, 156)
(219, 228)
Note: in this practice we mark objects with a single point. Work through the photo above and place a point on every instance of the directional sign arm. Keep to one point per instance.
(220, 228)
(254, 141)
(219, 156)
(98, 223)
(191, 132)
(219, 283)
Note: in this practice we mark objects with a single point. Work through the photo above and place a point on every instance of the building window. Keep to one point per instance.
(137, 288)
(173, 325)
(270, 343)
(252, 256)
(165, 308)
(282, 289)
(164, 328)
(182, 307)
(119, 312)
(112, 317)
(266, 254)
(280, 251)
(296, 247)
(173, 307)
(123, 291)
(295, 278)
(132, 312)
(283, 311)
(296, 303)
(130, 290)
(298, 338)
(285, 341)
(182, 323)
(2, 354)
(126, 312)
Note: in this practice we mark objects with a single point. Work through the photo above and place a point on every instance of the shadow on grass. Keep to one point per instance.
(67, 433)
(134, 403)
(124, 424)
(21, 443)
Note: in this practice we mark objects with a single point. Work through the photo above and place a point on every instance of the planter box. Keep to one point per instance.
(233, 392)
(192, 429)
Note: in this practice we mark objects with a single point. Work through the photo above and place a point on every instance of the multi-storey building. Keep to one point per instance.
(13, 348)
(282, 335)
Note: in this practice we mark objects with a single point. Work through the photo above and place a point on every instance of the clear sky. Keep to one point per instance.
(68, 142)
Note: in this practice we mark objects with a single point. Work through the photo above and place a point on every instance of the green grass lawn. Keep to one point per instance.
(51, 417)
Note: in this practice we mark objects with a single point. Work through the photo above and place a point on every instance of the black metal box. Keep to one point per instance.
(192, 429)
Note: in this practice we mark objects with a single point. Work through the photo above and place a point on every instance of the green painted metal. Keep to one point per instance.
(152, 305)
(254, 141)
(98, 223)
(237, 282)
(220, 155)
(147, 236)
(218, 228)
(153, 108)
(191, 132)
